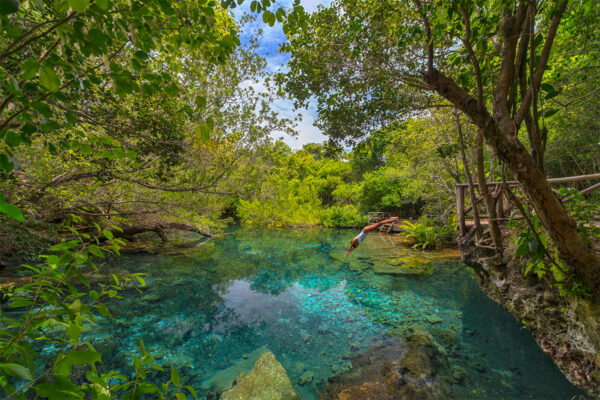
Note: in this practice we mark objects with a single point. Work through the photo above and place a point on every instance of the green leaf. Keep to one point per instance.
(79, 5)
(17, 370)
(85, 148)
(79, 357)
(12, 139)
(201, 101)
(75, 306)
(103, 310)
(74, 332)
(141, 280)
(175, 376)
(266, 16)
(42, 108)
(10, 210)
(108, 234)
(280, 14)
(522, 250)
(529, 266)
(119, 152)
(192, 391)
(65, 245)
(142, 55)
(97, 251)
(21, 303)
(550, 112)
(8, 6)
(203, 131)
(62, 388)
(49, 79)
(272, 19)
(180, 396)
(548, 88)
(30, 68)
(5, 163)
(103, 4)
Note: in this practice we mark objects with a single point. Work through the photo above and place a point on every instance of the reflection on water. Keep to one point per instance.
(208, 308)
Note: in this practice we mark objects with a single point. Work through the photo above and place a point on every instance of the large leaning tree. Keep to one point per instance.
(370, 62)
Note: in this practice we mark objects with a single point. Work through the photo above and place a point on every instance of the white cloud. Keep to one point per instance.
(269, 44)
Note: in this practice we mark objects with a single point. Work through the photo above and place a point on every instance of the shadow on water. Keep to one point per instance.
(209, 307)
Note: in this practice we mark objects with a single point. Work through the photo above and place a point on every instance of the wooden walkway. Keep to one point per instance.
(502, 204)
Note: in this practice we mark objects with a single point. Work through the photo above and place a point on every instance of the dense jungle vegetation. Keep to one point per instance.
(119, 117)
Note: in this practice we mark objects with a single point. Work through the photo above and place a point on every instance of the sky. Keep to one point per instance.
(276, 62)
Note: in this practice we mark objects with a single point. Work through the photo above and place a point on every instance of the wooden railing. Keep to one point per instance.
(376, 216)
(501, 203)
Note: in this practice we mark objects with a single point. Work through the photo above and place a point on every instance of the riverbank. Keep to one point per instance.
(567, 329)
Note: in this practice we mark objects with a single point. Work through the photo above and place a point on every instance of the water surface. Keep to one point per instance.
(209, 307)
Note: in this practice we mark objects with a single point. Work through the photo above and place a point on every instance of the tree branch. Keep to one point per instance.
(543, 62)
(466, 41)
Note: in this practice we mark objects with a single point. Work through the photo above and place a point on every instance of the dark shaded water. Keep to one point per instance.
(209, 307)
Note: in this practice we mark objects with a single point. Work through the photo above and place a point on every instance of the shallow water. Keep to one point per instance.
(209, 307)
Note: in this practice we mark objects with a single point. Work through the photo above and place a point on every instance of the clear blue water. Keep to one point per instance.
(207, 308)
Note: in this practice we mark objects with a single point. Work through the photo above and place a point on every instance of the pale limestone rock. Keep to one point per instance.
(266, 381)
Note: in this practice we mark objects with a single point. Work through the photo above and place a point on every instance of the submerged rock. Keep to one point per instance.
(366, 391)
(323, 328)
(266, 381)
(304, 335)
(223, 380)
(306, 377)
(394, 370)
(299, 367)
(226, 378)
(410, 265)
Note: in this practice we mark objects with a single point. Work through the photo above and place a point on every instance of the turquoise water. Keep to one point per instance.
(208, 308)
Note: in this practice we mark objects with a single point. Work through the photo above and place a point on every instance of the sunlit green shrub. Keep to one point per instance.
(342, 217)
(535, 248)
(427, 234)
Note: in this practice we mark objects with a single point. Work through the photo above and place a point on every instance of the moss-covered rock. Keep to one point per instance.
(409, 265)
(417, 368)
(266, 381)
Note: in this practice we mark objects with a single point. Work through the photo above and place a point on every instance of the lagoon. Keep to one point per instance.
(210, 308)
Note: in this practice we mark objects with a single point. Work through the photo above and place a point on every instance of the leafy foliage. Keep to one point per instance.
(585, 212)
(104, 104)
(300, 189)
(542, 258)
(426, 234)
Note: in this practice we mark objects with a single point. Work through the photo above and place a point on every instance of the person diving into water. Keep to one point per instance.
(363, 234)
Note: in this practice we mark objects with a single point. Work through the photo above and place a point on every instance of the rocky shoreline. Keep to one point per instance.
(566, 329)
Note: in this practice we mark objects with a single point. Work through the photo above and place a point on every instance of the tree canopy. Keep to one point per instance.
(487, 59)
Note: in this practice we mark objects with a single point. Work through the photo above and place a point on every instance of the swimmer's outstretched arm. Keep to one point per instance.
(373, 227)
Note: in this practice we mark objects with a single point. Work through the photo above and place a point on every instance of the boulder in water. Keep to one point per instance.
(416, 369)
(266, 381)
(366, 391)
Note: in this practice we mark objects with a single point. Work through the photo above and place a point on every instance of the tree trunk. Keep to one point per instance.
(499, 134)
(487, 198)
(128, 232)
(468, 175)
